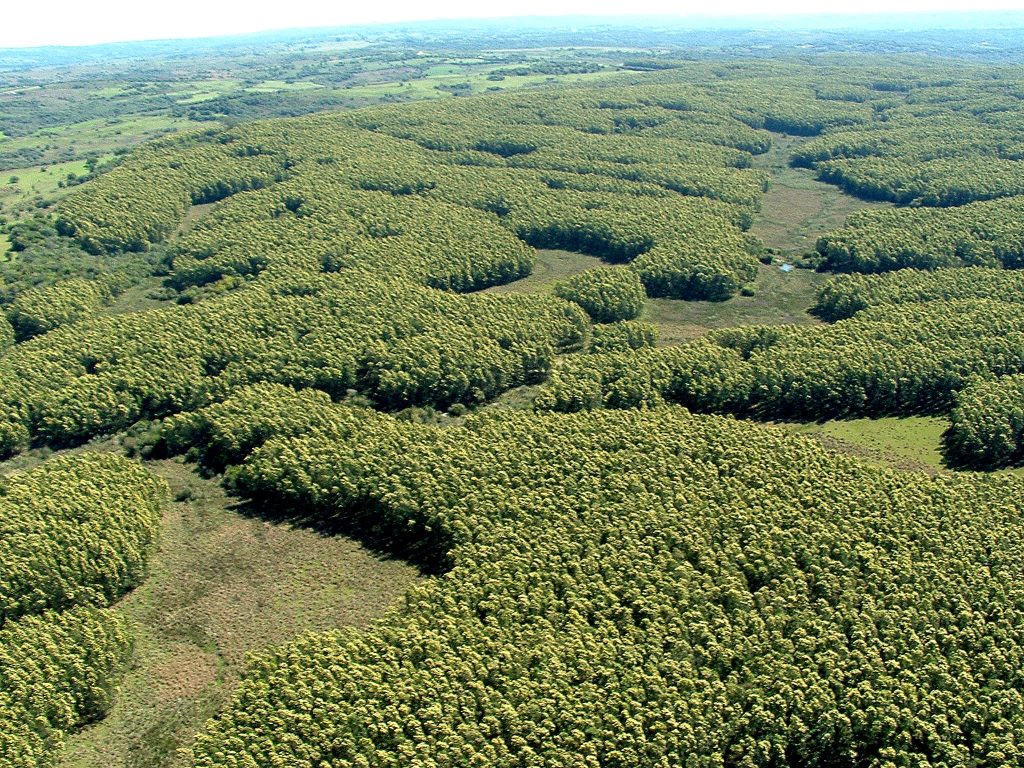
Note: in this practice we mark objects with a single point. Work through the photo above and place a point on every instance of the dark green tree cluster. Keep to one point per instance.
(38, 310)
(75, 535)
(845, 295)
(987, 424)
(890, 359)
(333, 228)
(621, 336)
(400, 343)
(988, 234)
(607, 294)
(646, 588)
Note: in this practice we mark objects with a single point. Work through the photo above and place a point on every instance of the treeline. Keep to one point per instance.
(622, 335)
(643, 588)
(606, 294)
(941, 182)
(987, 424)
(987, 234)
(944, 142)
(75, 535)
(887, 360)
(142, 201)
(987, 414)
(845, 295)
(397, 342)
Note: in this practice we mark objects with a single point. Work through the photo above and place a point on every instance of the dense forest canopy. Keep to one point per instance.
(626, 566)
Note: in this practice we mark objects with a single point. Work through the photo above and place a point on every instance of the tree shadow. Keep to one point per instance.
(371, 524)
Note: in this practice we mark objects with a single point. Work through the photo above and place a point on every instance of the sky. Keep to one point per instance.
(83, 22)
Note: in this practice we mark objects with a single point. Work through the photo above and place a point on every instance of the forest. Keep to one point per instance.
(499, 338)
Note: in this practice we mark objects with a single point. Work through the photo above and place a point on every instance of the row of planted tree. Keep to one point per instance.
(641, 587)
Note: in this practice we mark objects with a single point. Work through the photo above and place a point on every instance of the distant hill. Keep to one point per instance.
(981, 34)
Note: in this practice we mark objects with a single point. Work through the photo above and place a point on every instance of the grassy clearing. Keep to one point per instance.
(40, 183)
(797, 208)
(517, 399)
(912, 442)
(212, 85)
(194, 214)
(136, 298)
(95, 134)
(221, 585)
(550, 267)
(779, 298)
(5, 246)
(273, 86)
(443, 69)
(198, 98)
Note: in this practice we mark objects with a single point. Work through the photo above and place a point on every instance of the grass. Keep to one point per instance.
(550, 267)
(5, 246)
(273, 86)
(136, 298)
(797, 208)
(222, 584)
(198, 98)
(22, 185)
(901, 442)
(517, 399)
(779, 298)
(443, 69)
(216, 84)
(910, 442)
(192, 215)
(98, 135)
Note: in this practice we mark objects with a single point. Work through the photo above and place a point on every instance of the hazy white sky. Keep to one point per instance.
(77, 22)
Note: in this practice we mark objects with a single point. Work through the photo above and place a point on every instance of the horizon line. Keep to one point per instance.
(692, 21)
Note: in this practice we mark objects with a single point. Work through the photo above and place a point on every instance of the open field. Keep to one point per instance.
(911, 442)
(91, 137)
(908, 442)
(797, 208)
(779, 298)
(222, 584)
(273, 86)
(550, 267)
(42, 183)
